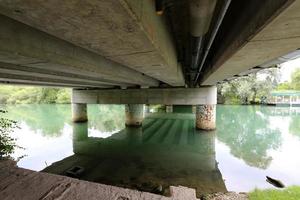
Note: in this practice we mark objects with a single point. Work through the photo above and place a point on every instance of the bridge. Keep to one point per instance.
(138, 52)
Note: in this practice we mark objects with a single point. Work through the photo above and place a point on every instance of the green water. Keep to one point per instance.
(250, 142)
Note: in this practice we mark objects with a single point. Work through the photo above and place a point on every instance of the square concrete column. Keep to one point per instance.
(169, 108)
(79, 112)
(134, 114)
(206, 117)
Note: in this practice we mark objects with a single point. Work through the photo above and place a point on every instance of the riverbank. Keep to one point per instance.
(18, 183)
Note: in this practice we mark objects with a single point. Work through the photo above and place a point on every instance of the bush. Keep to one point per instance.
(7, 143)
(30, 95)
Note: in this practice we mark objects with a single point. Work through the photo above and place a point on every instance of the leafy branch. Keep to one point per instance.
(7, 143)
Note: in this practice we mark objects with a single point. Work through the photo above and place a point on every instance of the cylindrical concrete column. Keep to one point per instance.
(80, 131)
(206, 117)
(146, 109)
(79, 112)
(194, 109)
(134, 114)
(169, 108)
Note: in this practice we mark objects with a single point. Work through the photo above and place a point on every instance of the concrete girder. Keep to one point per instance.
(126, 31)
(40, 84)
(33, 80)
(55, 75)
(25, 46)
(271, 32)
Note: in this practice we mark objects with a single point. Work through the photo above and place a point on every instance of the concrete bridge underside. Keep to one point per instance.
(133, 44)
(122, 47)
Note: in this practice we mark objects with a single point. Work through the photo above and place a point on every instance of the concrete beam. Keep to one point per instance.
(167, 96)
(40, 84)
(28, 79)
(28, 47)
(268, 30)
(58, 77)
(126, 31)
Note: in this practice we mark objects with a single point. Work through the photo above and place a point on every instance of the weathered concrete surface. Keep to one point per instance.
(40, 57)
(79, 112)
(167, 96)
(169, 108)
(227, 196)
(26, 74)
(206, 117)
(17, 183)
(134, 114)
(281, 36)
(126, 31)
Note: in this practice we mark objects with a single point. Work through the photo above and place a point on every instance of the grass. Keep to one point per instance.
(289, 193)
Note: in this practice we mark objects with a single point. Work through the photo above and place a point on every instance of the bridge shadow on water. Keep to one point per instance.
(166, 150)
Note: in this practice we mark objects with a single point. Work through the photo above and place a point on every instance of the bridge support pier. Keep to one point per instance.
(79, 112)
(206, 117)
(169, 108)
(205, 99)
(146, 109)
(134, 114)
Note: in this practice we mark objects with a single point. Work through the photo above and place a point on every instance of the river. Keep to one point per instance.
(250, 142)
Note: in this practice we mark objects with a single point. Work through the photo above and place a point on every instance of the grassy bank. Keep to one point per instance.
(290, 193)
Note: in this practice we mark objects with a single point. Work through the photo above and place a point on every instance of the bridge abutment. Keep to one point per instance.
(79, 112)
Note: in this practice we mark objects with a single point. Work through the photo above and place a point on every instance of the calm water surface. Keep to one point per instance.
(250, 142)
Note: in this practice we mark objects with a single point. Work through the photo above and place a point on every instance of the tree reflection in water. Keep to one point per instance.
(50, 119)
(165, 151)
(47, 120)
(246, 130)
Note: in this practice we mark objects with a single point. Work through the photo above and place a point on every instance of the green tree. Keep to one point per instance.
(284, 86)
(249, 89)
(295, 83)
(30, 95)
(7, 143)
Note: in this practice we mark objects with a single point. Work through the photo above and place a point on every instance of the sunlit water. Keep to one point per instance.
(250, 142)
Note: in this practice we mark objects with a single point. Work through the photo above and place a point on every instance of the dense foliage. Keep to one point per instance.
(7, 143)
(294, 84)
(26, 95)
(254, 88)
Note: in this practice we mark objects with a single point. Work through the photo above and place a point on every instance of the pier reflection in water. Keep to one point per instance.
(252, 142)
(166, 151)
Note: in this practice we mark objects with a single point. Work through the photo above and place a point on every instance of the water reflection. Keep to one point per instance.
(50, 120)
(106, 118)
(35, 117)
(250, 142)
(248, 133)
(294, 127)
(165, 151)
